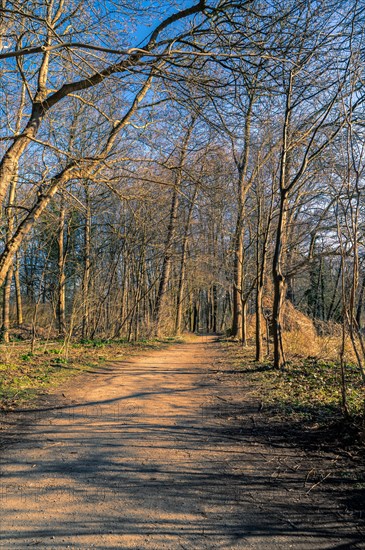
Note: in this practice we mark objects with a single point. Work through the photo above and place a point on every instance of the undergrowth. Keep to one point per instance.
(308, 389)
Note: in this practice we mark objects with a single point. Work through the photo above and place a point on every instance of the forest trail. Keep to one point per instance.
(141, 456)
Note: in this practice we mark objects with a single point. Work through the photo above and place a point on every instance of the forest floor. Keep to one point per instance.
(173, 449)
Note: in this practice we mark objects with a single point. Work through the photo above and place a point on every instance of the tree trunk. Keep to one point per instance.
(195, 318)
(181, 286)
(237, 267)
(278, 276)
(87, 266)
(259, 350)
(184, 251)
(61, 305)
(260, 278)
(214, 309)
(243, 187)
(279, 284)
(9, 276)
(6, 306)
(166, 265)
(244, 323)
(18, 293)
(360, 305)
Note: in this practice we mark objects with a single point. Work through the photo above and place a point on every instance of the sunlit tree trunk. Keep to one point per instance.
(171, 230)
(184, 250)
(61, 298)
(87, 265)
(9, 276)
(18, 291)
(277, 265)
(11, 218)
(243, 187)
(261, 259)
(166, 264)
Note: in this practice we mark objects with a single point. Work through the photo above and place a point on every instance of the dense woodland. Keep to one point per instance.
(170, 166)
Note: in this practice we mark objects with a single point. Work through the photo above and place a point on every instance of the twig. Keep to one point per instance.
(318, 482)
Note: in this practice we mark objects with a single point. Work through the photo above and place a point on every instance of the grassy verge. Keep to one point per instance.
(307, 391)
(24, 374)
(301, 408)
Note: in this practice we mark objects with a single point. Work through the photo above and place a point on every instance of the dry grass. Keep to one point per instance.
(300, 343)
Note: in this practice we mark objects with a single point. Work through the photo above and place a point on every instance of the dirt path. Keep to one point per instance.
(141, 457)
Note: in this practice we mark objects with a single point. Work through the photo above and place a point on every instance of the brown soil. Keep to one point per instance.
(165, 451)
